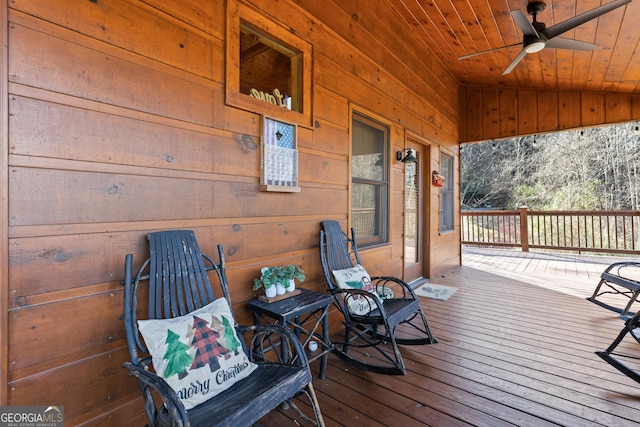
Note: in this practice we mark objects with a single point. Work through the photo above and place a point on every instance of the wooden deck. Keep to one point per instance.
(516, 347)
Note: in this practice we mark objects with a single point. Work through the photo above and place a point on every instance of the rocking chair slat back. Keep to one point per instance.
(338, 247)
(187, 287)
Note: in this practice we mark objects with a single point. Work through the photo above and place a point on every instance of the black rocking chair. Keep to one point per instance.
(178, 284)
(371, 340)
(622, 358)
(619, 279)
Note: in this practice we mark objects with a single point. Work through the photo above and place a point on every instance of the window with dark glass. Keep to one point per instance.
(370, 180)
(446, 193)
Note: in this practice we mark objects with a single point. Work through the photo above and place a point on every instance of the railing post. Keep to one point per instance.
(524, 229)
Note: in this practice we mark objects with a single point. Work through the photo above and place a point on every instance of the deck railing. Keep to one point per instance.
(581, 231)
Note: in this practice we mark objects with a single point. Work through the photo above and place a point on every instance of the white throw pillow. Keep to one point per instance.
(200, 354)
(356, 278)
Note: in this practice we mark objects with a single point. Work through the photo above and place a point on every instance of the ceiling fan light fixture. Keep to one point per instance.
(534, 47)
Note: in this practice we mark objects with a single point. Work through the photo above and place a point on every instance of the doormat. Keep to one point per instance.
(433, 291)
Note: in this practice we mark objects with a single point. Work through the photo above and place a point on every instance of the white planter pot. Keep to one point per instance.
(291, 285)
(270, 292)
(280, 289)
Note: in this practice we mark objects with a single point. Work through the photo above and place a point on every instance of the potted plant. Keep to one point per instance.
(277, 280)
(291, 273)
(269, 279)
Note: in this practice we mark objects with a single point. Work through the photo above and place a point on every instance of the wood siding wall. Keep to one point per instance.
(494, 113)
(117, 126)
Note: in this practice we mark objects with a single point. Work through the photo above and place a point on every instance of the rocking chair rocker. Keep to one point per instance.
(178, 285)
(625, 362)
(375, 321)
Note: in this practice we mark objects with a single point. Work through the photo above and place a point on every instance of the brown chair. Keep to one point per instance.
(620, 279)
(175, 282)
(395, 316)
(624, 352)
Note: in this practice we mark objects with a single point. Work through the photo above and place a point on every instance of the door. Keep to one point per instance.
(416, 225)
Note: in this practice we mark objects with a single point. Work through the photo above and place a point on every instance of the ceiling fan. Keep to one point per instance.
(536, 35)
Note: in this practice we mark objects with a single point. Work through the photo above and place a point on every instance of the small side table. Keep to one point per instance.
(304, 313)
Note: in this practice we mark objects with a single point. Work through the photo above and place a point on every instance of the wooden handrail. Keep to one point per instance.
(582, 231)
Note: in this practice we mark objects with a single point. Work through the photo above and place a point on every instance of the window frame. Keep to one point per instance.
(383, 193)
(240, 15)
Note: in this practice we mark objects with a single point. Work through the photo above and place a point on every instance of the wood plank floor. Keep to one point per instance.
(516, 348)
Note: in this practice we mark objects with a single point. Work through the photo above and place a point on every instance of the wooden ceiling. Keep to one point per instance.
(454, 28)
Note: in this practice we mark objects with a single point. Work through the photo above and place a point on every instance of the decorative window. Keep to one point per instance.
(278, 156)
(268, 67)
(446, 192)
(370, 180)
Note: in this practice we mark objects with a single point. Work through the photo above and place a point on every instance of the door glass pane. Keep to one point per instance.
(412, 212)
(446, 194)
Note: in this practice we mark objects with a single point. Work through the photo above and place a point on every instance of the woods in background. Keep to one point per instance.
(596, 168)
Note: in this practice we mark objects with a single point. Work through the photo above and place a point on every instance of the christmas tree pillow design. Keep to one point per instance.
(200, 354)
(356, 278)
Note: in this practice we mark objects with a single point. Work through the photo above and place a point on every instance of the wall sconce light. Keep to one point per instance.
(410, 157)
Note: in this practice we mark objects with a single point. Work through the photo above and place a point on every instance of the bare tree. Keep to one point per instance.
(595, 168)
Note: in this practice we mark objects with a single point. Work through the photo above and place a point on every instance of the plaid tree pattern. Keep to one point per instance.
(208, 349)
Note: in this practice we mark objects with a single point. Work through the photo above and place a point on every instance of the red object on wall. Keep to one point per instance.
(437, 179)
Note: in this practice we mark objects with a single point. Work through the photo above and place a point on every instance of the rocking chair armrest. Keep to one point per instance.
(265, 333)
(406, 289)
(623, 264)
(170, 398)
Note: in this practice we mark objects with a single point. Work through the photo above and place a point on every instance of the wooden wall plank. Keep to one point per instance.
(593, 108)
(491, 107)
(88, 73)
(570, 111)
(102, 197)
(527, 112)
(617, 108)
(473, 111)
(548, 115)
(49, 264)
(331, 107)
(97, 379)
(508, 112)
(94, 320)
(196, 13)
(330, 139)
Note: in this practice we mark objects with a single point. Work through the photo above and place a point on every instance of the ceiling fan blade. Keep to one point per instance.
(562, 43)
(524, 24)
(515, 62)
(471, 55)
(571, 23)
